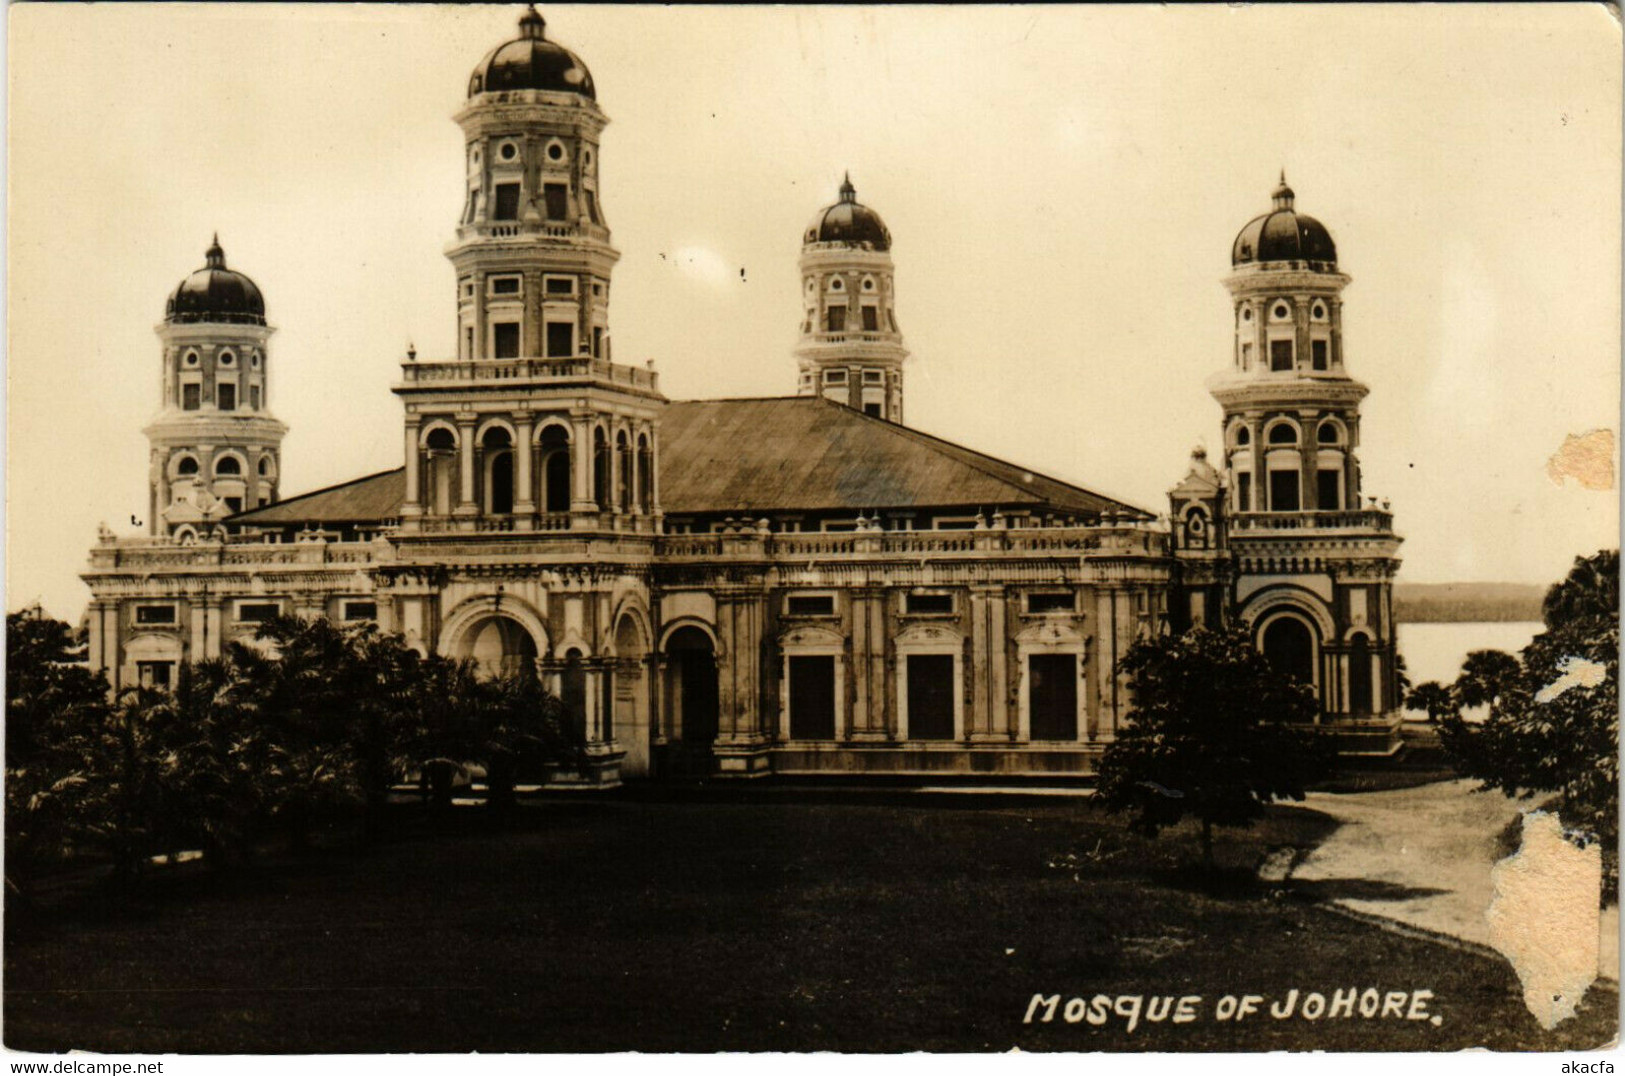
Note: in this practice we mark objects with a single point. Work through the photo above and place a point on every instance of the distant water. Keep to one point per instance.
(1435, 651)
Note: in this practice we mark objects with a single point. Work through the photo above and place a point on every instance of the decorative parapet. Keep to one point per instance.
(1108, 539)
(135, 555)
(527, 371)
(1367, 520)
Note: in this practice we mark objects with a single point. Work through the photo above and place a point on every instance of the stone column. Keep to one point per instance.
(581, 492)
(465, 466)
(411, 508)
(978, 721)
(524, 504)
(1000, 719)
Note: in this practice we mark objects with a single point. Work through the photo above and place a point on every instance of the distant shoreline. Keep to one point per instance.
(1459, 603)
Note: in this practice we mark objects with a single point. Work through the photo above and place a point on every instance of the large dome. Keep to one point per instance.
(848, 222)
(531, 62)
(1284, 235)
(215, 293)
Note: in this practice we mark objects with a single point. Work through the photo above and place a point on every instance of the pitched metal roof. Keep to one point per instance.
(372, 499)
(806, 453)
(779, 454)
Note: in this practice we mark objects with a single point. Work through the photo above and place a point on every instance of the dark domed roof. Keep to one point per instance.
(531, 62)
(848, 222)
(215, 293)
(1284, 235)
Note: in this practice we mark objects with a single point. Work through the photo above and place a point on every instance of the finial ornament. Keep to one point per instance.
(531, 23)
(849, 193)
(1283, 194)
(214, 255)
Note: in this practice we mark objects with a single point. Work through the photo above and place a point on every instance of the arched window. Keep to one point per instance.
(498, 448)
(265, 466)
(555, 470)
(1244, 436)
(646, 474)
(1329, 433)
(1359, 675)
(600, 469)
(1283, 433)
(1290, 647)
(440, 474)
(186, 466)
(623, 453)
(1196, 531)
(228, 465)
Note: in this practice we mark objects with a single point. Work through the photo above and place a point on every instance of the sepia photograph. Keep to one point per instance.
(595, 529)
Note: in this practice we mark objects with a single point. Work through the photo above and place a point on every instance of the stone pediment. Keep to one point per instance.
(1049, 633)
(928, 633)
(811, 636)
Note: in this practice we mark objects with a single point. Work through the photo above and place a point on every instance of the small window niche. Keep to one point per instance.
(156, 614)
(809, 605)
(930, 603)
(1045, 602)
(258, 612)
(359, 609)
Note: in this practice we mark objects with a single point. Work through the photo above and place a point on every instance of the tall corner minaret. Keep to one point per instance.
(216, 449)
(851, 349)
(1312, 568)
(531, 425)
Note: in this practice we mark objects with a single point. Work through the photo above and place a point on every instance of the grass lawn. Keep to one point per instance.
(761, 923)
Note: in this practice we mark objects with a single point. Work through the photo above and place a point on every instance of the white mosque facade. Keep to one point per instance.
(795, 585)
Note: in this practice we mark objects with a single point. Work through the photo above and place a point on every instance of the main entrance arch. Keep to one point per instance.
(690, 691)
(502, 636)
(1289, 643)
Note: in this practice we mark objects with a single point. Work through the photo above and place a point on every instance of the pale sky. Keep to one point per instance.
(1062, 186)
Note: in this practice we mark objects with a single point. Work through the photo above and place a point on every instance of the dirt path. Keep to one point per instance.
(1422, 856)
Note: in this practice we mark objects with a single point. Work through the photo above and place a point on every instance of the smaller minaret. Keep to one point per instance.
(216, 448)
(851, 349)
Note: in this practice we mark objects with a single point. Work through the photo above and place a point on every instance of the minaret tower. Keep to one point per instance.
(216, 449)
(1309, 567)
(532, 425)
(851, 349)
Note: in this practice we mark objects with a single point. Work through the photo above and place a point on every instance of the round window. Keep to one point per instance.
(555, 152)
(254, 360)
(1282, 311)
(227, 358)
(191, 358)
(868, 285)
(837, 285)
(586, 157)
(1320, 312)
(508, 151)
(1247, 313)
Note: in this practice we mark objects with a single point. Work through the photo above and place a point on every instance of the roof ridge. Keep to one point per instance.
(979, 457)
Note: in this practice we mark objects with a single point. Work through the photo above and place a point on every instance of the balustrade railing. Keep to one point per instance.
(520, 229)
(1107, 538)
(1368, 519)
(528, 369)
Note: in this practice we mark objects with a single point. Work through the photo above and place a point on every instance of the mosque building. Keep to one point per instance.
(792, 585)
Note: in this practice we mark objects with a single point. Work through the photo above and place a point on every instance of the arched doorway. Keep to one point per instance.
(691, 698)
(1289, 644)
(500, 647)
(1359, 675)
(629, 697)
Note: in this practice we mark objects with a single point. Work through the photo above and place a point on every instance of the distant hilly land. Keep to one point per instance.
(1460, 602)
